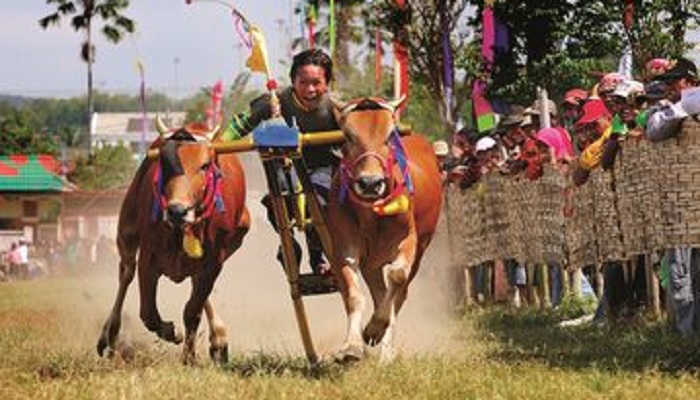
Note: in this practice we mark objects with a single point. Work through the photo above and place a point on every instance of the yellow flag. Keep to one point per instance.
(257, 62)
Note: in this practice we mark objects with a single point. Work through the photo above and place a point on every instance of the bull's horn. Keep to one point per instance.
(161, 127)
(395, 104)
(212, 133)
(342, 106)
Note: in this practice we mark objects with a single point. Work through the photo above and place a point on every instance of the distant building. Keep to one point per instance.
(128, 128)
(31, 193)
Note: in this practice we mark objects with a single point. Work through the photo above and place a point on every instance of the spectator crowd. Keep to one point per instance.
(582, 133)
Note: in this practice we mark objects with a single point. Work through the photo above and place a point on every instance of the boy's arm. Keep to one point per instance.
(242, 124)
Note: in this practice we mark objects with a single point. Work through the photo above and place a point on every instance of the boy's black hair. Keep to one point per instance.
(312, 57)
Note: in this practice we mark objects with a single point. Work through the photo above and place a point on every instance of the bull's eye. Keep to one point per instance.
(205, 166)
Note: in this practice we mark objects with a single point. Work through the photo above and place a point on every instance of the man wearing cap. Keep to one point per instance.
(624, 103)
(592, 130)
(666, 121)
(487, 154)
(462, 162)
(572, 107)
(442, 152)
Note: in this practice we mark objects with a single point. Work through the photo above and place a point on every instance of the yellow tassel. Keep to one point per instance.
(399, 205)
(192, 245)
(480, 189)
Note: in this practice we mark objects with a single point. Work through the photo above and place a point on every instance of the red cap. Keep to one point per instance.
(593, 110)
(574, 96)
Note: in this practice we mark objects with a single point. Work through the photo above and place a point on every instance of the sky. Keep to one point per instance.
(182, 47)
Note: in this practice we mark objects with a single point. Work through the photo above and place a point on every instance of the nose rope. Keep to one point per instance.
(211, 199)
(397, 156)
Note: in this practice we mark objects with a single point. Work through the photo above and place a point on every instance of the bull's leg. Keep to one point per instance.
(127, 269)
(148, 287)
(387, 352)
(354, 301)
(218, 339)
(398, 275)
(374, 277)
(202, 285)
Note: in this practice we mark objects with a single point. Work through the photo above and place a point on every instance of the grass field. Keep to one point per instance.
(48, 330)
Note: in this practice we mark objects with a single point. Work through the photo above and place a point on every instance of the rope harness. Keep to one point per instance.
(396, 158)
(204, 209)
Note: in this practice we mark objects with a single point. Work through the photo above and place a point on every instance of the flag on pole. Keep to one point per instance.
(331, 27)
(488, 37)
(311, 14)
(378, 59)
(142, 104)
(485, 118)
(447, 60)
(257, 62)
(400, 71)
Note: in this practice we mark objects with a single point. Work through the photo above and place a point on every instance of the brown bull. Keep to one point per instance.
(183, 216)
(384, 207)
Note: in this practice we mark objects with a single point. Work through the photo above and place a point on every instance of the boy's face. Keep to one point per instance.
(310, 84)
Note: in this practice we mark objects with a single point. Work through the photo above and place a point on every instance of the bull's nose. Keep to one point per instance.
(176, 214)
(371, 185)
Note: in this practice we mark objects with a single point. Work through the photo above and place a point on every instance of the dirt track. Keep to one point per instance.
(252, 297)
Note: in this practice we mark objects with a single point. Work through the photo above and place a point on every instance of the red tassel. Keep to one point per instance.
(401, 54)
(629, 14)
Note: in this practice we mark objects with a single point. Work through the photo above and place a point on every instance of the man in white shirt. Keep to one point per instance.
(23, 259)
(665, 121)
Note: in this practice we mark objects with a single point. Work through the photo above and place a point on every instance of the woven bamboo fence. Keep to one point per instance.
(650, 201)
(677, 184)
(550, 227)
(609, 241)
(580, 229)
(637, 195)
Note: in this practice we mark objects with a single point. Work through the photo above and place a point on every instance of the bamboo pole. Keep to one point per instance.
(653, 299)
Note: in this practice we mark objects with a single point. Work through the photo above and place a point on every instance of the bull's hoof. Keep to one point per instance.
(350, 353)
(219, 354)
(169, 333)
(102, 345)
(189, 359)
(374, 331)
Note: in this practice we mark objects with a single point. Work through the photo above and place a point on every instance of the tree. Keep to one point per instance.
(559, 44)
(19, 133)
(82, 14)
(420, 27)
(109, 167)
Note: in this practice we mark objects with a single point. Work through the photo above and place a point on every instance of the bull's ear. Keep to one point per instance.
(397, 103)
(338, 108)
(215, 132)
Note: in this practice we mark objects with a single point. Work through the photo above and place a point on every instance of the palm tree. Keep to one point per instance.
(81, 14)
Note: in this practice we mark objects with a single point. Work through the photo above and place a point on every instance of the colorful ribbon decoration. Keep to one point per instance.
(447, 59)
(252, 37)
(331, 27)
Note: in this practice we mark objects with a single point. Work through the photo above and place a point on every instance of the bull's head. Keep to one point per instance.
(187, 172)
(368, 125)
